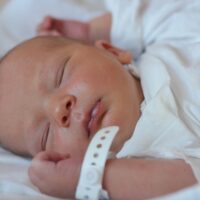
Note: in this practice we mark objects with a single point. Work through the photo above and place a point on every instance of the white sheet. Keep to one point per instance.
(18, 20)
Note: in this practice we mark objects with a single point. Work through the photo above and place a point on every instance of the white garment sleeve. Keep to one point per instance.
(126, 24)
(164, 37)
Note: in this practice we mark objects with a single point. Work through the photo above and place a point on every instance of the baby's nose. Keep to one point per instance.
(63, 109)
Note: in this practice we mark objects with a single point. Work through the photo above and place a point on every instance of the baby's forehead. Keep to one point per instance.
(40, 43)
(31, 51)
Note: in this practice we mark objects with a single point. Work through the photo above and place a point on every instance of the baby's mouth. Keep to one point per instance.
(96, 115)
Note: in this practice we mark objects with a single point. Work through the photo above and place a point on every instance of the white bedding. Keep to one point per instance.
(18, 20)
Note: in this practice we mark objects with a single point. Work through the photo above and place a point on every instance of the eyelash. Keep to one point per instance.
(61, 76)
(45, 137)
(62, 72)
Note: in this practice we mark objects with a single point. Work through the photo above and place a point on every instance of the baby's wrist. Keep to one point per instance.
(92, 171)
(76, 172)
(107, 174)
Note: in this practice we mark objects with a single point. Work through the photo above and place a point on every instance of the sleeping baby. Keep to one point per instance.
(59, 89)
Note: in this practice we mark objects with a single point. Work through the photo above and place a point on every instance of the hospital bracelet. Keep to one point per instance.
(90, 181)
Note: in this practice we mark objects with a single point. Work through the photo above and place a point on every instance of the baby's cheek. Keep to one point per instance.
(58, 142)
(65, 145)
(52, 140)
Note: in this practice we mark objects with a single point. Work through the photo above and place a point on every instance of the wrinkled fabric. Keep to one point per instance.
(164, 37)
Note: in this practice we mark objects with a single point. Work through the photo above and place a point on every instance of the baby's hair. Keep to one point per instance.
(55, 40)
(7, 54)
(47, 42)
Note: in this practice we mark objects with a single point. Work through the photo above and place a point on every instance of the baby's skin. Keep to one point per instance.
(62, 81)
(98, 28)
(138, 174)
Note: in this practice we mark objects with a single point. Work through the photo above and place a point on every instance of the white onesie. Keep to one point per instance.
(164, 37)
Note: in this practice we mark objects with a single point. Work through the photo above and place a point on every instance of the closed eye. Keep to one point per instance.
(60, 76)
(60, 73)
(45, 137)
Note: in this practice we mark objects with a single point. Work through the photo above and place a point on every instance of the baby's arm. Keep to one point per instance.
(137, 178)
(97, 28)
(131, 178)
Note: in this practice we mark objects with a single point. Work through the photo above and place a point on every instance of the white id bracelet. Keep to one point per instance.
(90, 181)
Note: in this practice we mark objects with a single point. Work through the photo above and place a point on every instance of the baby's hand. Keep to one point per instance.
(55, 174)
(69, 28)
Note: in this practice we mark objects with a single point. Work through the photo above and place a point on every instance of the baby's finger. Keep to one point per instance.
(40, 168)
(40, 178)
(47, 22)
(51, 156)
(45, 25)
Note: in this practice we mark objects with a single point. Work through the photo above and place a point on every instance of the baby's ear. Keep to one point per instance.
(123, 56)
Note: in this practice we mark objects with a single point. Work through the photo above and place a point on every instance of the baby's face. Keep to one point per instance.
(56, 96)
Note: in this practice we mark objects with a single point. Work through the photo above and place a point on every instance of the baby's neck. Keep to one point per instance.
(138, 99)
